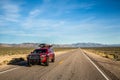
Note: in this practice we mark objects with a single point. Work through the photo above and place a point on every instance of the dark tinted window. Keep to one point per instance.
(40, 51)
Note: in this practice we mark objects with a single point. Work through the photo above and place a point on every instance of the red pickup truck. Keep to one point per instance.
(42, 55)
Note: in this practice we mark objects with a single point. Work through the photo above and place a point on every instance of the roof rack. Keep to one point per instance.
(45, 45)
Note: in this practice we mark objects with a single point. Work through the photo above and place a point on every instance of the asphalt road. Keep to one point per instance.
(69, 66)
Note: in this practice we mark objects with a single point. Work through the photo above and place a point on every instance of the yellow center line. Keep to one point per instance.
(61, 62)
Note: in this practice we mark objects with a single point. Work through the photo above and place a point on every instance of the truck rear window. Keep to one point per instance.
(40, 51)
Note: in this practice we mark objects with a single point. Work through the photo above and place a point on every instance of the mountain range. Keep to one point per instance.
(61, 45)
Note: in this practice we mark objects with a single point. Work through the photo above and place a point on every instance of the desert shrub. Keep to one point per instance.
(14, 50)
(108, 52)
(111, 56)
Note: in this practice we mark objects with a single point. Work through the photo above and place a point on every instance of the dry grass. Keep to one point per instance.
(108, 52)
(14, 50)
(7, 58)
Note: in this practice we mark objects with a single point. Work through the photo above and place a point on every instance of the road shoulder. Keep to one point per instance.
(110, 67)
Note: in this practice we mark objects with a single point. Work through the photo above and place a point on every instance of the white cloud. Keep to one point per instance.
(10, 8)
(34, 13)
(10, 11)
(42, 23)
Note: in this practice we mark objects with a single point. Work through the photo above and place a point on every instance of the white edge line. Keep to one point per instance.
(95, 66)
(9, 70)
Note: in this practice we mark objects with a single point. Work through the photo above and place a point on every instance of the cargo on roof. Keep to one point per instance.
(45, 45)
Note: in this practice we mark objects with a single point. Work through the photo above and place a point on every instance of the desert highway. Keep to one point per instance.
(74, 65)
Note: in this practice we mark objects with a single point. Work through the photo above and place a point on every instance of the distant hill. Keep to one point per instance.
(115, 45)
(61, 45)
(81, 45)
(89, 45)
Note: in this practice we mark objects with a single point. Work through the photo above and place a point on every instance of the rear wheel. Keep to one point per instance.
(47, 62)
(53, 60)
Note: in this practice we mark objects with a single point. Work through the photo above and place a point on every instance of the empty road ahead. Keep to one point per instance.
(68, 66)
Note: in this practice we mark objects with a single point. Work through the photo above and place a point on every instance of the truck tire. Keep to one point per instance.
(53, 60)
(47, 62)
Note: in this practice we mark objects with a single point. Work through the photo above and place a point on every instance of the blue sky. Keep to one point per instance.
(60, 21)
